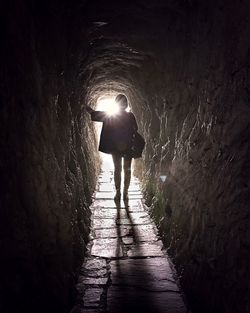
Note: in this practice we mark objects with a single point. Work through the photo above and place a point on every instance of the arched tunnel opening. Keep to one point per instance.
(184, 66)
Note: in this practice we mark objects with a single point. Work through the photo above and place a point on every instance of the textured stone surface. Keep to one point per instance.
(47, 172)
(92, 297)
(126, 270)
(145, 249)
(112, 232)
(107, 248)
(151, 274)
(141, 301)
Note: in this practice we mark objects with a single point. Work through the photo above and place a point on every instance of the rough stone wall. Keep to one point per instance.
(48, 166)
(196, 121)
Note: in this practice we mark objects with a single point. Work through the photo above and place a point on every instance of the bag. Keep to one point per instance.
(138, 145)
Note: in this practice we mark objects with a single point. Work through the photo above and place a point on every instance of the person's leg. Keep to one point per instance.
(117, 174)
(127, 176)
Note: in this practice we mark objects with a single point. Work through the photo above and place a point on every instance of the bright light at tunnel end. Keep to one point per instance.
(109, 105)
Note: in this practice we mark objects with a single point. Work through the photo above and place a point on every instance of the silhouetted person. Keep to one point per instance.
(116, 139)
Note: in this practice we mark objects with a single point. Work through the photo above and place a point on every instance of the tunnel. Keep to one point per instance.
(184, 66)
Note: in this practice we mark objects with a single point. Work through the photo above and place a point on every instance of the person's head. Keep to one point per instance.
(122, 101)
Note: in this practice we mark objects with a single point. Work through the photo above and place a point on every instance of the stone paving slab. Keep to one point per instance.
(105, 195)
(134, 204)
(93, 281)
(104, 203)
(134, 300)
(140, 233)
(111, 194)
(107, 248)
(100, 212)
(93, 265)
(134, 219)
(135, 192)
(106, 187)
(134, 188)
(103, 223)
(112, 232)
(145, 249)
(95, 271)
(126, 269)
(145, 233)
(80, 309)
(92, 297)
(104, 179)
(151, 274)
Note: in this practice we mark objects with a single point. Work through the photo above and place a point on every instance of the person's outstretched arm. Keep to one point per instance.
(89, 109)
(96, 116)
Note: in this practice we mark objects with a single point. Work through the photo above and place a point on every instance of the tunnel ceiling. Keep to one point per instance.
(123, 39)
(109, 68)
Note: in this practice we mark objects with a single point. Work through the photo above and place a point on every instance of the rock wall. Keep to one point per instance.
(48, 162)
(196, 121)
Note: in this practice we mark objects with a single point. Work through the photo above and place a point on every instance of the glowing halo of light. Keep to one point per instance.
(108, 104)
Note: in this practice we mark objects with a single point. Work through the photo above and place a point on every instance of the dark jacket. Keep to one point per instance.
(117, 132)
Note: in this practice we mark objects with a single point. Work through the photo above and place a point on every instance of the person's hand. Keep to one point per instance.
(89, 109)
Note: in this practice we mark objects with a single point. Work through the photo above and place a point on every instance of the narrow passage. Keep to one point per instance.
(126, 269)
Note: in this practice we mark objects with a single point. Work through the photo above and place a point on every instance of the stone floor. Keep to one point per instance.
(127, 269)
